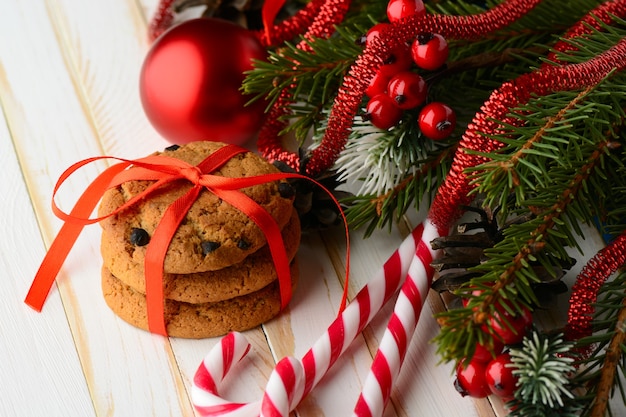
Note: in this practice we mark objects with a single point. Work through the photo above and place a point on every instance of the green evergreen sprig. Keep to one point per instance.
(543, 365)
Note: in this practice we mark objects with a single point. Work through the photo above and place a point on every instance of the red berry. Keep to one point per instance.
(399, 9)
(471, 380)
(378, 85)
(485, 352)
(374, 32)
(382, 112)
(508, 328)
(437, 120)
(408, 89)
(397, 61)
(429, 51)
(499, 376)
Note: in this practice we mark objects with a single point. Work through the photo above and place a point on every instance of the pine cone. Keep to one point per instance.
(465, 248)
(316, 208)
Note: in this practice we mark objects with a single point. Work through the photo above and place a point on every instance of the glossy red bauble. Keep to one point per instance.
(378, 85)
(500, 378)
(399, 9)
(382, 112)
(508, 328)
(471, 380)
(191, 78)
(429, 51)
(486, 352)
(408, 90)
(437, 120)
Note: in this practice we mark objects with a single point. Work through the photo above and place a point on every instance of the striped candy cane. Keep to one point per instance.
(400, 328)
(210, 374)
(292, 379)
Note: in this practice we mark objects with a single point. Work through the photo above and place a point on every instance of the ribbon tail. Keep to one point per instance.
(268, 14)
(51, 265)
(155, 258)
(270, 228)
(65, 239)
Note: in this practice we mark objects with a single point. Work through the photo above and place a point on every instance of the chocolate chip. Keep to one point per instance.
(208, 246)
(242, 244)
(286, 190)
(172, 148)
(139, 237)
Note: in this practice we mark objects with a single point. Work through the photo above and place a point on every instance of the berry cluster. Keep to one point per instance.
(489, 370)
(396, 87)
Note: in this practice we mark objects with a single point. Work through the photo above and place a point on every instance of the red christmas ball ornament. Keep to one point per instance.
(429, 51)
(500, 378)
(471, 379)
(399, 9)
(382, 112)
(191, 78)
(437, 120)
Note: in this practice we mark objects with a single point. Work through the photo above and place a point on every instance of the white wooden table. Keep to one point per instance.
(68, 91)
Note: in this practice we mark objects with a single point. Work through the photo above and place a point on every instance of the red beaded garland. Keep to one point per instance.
(585, 291)
(268, 143)
(602, 14)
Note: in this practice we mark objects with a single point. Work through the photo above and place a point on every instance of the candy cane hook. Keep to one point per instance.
(293, 379)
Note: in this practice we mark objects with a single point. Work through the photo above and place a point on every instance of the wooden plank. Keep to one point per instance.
(34, 378)
(52, 124)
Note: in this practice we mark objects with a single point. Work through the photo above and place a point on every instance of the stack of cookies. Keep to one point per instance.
(218, 271)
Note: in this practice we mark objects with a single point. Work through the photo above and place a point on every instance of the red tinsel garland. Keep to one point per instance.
(585, 291)
(602, 14)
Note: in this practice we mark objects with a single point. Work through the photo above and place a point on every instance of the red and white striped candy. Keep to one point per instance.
(292, 379)
(210, 374)
(400, 328)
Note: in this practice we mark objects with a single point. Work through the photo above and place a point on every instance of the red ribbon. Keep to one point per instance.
(164, 170)
(268, 13)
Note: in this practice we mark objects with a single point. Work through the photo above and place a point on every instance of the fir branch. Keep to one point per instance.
(506, 275)
(378, 211)
(500, 177)
(614, 354)
(542, 365)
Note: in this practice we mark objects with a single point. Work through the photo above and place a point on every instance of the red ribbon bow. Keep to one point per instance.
(164, 170)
